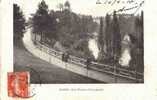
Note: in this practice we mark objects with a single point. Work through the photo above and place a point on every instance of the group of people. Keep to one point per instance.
(65, 57)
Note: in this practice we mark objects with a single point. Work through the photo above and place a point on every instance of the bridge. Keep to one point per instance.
(98, 71)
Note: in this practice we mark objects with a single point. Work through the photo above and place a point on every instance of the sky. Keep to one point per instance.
(88, 7)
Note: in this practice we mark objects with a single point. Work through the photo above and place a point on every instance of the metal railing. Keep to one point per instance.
(108, 69)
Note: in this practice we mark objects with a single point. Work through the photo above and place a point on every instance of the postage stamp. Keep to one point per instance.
(18, 84)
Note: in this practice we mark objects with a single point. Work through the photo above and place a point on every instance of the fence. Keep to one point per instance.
(103, 68)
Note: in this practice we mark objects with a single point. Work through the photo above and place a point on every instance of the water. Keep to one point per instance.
(93, 46)
(125, 56)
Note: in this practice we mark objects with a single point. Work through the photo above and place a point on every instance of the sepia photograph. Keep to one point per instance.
(95, 42)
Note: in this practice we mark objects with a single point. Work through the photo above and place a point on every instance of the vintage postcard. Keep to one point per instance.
(70, 49)
(67, 44)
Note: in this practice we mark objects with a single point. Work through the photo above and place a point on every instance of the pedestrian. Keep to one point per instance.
(63, 57)
(66, 57)
(88, 61)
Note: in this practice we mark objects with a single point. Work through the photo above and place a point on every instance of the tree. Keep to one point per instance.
(60, 6)
(100, 36)
(116, 38)
(138, 51)
(51, 31)
(40, 20)
(142, 43)
(141, 31)
(108, 36)
(67, 5)
(101, 41)
(19, 23)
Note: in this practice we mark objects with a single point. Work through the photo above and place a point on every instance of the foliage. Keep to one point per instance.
(137, 51)
(19, 23)
(64, 26)
(100, 36)
(111, 37)
(67, 5)
(116, 38)
(108, 36)
(43, 23)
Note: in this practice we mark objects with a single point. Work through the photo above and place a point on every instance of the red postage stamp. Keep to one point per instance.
(18, 84)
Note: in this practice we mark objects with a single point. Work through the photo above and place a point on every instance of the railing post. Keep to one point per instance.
(87, 72)
(115, 74)
(136, 75)
(49, 55)
(87, 66)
